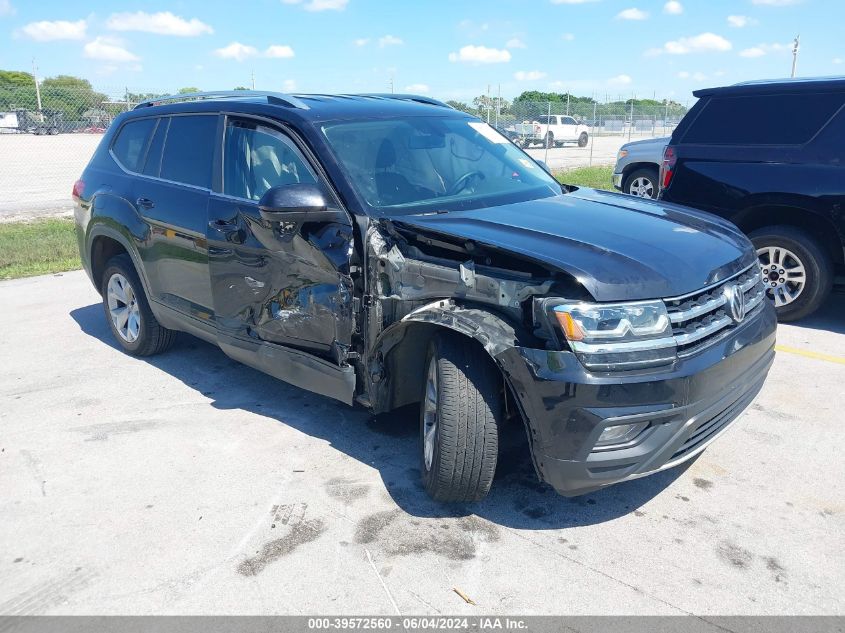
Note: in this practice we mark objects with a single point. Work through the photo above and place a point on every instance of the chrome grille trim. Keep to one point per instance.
(701, 318)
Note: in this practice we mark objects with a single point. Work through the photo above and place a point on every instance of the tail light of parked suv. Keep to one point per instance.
(78, 189)
(667, 167)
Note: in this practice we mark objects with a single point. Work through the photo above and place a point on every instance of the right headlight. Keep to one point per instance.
(614, 336)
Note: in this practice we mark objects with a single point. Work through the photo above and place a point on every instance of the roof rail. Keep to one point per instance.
(273, 98)
(407, 97)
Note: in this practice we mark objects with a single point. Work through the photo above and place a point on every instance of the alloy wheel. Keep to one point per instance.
(430, 414)
(123, 308)
(783, 274)
(641, 187)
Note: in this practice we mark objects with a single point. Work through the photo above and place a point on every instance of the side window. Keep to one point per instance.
(545, 120)
(256, 157)
(152, 164)
(789, 119)
(131, 142)
(568, 120)
(189, 150)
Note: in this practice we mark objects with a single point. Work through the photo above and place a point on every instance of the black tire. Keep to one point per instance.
(648, 173)
(152, 337)
(583, 139)
(468, 408)
(811, 254)
(550, 141)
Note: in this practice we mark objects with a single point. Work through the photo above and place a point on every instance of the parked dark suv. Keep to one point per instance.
(770, 157)
(387, 250)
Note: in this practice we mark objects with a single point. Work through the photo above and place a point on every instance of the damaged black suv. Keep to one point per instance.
(387, 250)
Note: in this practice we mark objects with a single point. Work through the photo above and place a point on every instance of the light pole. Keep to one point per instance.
(795, 48)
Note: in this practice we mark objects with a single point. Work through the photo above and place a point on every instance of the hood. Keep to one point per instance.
(658, 142)
(620, 248)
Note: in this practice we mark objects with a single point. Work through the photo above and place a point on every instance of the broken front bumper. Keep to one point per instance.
(685, 406)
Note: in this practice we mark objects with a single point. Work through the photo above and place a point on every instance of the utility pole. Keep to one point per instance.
(37, 87)
(498, 104)
(253, 79)
(390, 83)
(795, 48)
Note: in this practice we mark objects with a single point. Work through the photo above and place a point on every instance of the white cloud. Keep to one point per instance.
(480, 55)
(567, 37)
(740, 21)
(697, 76)
(278, 51)
(673, 7)
(837, 60)
(572, 1)
(529, 75)
(764, 49)
(47, 31)
(162, 23)
(6, 8)
(619, 80)
(289, 85)
(775, 3)
(632, 14)
(108, 49)
(237, 51)
(515, 42)
(361, 41)
(418, 89)
(703, 43)
(320, 5)
(683, 75)
(389, 40)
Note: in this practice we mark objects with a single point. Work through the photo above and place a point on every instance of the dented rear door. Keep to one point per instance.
(280, 283)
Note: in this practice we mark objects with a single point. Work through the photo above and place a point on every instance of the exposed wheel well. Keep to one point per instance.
(102, 250)
(405, 362)
(818, 227)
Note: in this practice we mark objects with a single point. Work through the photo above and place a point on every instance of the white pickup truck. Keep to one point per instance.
(551, 130)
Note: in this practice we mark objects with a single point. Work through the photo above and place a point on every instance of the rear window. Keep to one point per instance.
(189, 149)
(763, 119)
(131, 143)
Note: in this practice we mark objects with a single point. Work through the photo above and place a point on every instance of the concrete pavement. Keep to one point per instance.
(190, 484)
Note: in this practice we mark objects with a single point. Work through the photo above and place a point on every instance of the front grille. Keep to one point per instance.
(701, 318)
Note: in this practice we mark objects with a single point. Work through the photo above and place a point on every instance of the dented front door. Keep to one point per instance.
(280, 283)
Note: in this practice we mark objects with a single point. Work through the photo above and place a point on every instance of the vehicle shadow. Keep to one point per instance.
(387, 442)
(830, 317)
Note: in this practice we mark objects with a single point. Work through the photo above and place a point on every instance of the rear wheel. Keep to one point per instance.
(797, 271)
(550, 140)
(459, 420)
(642, 183)
(583, 139)
(128, 312)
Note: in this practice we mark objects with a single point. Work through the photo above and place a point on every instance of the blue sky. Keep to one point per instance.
(450, 49)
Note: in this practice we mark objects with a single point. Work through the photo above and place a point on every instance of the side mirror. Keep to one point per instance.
(296, 203)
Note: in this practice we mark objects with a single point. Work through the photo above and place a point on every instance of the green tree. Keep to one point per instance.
(241, 88)
(188, 90)
(70, 95)
(17, 90)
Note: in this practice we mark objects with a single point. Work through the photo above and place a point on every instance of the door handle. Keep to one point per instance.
(145, 203)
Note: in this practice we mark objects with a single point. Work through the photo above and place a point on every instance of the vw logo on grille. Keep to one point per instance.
(735, 302)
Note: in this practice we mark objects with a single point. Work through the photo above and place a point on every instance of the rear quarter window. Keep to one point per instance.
(791, 119)
(189, 150)
(131, 143)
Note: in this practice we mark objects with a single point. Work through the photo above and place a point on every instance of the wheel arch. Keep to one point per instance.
(632, 167)
(399, 353)
(106, 242)
(817, 226)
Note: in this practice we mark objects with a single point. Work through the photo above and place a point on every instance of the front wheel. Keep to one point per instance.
(797, 272)
(128, 312)
(583, 139)
(642, 183)
(459, 420)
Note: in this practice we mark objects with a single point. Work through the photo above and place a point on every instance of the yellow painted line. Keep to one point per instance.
(808, 354)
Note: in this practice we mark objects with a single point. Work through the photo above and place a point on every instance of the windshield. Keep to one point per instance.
(423, 164)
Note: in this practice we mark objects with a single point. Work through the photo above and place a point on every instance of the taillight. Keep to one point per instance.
(537, 128)
(667, 168)
(78, 189)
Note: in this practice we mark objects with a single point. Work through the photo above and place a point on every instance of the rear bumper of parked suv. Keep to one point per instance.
(682, 409)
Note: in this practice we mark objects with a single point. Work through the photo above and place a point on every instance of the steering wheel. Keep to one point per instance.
(463, 181)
